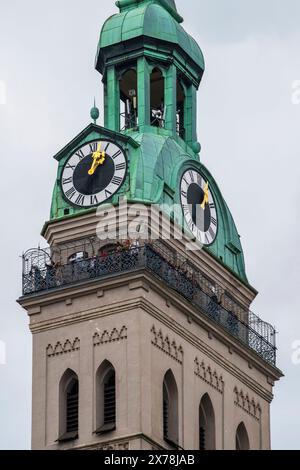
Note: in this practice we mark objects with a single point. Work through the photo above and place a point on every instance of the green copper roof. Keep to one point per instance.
(153, 19)
(169, 5)
(156, 165)
(157, 157)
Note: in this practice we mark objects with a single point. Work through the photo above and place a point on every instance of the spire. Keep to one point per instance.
(169, 5)
(95, 112)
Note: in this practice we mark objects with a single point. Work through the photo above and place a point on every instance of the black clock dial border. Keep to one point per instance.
(77, 149)
(214, 202)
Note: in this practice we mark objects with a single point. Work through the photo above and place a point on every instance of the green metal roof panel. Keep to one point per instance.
(151, 20)
(169, 5)
(157, 24)
(112, 30)
(133, 23)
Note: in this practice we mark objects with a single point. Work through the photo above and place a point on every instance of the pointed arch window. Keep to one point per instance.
(170, 409)
(128, 100)
(242, 438)
(105, 398)
(206, 424)
(68, 406)
(157, 98)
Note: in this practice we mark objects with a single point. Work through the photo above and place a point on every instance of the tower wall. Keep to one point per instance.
(143, 329)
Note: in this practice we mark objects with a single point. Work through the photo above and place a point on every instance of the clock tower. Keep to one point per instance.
(139, 306)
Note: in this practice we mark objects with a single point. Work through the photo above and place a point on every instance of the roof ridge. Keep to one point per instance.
(169, 5)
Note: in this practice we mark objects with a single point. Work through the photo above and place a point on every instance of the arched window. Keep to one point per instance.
(128, 98)
(206, 424)
(105, 398)
(157, 98)
(180, 110)
(241, 438)
(68, 406)
(170, 409)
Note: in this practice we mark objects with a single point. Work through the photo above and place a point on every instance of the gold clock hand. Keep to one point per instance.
(206, 197)
(98, 159)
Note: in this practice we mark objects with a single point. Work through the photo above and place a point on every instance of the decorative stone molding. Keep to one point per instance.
(110, 446)
(164, 344)
(243, 401)
(64, 348)
(206, 374)
(110, 337)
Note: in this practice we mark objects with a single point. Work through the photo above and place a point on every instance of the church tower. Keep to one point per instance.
(139, 306)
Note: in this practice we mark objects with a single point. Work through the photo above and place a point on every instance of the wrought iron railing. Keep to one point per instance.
(40, 276)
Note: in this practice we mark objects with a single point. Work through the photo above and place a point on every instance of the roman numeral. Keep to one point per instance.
(67, 180)
(70, 193)
(106, 147)
(183, 194)
(94, 200)
(93, 147)
(212, 233)
(185, 181)
(120, 166)
(192, 176)
(80, 200)
(107, 194)
(191, 225)
(70, 167)
(116, 155)
(80, 154)
(214, 221)
(116, 180)
(211, 205)
(207, 241)
(186, 208)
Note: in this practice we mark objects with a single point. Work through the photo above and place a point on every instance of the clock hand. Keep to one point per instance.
(98, 159)
(206, 197)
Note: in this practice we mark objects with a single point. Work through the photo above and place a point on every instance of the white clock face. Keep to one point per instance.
(93, 174)
(199, 207)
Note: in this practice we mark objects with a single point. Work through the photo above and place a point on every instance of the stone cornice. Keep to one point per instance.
(72, 228)
(122, 442)
(143, 281)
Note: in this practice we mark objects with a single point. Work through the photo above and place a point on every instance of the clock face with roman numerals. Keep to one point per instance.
(199, 207)
(93, 174)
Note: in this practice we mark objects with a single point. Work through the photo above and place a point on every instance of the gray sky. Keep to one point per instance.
(248, 127)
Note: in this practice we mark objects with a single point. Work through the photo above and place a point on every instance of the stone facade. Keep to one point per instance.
(143, 329)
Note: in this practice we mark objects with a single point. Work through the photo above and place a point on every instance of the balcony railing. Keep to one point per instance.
(41, 274)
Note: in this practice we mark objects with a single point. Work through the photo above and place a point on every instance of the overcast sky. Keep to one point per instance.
(250, 135)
